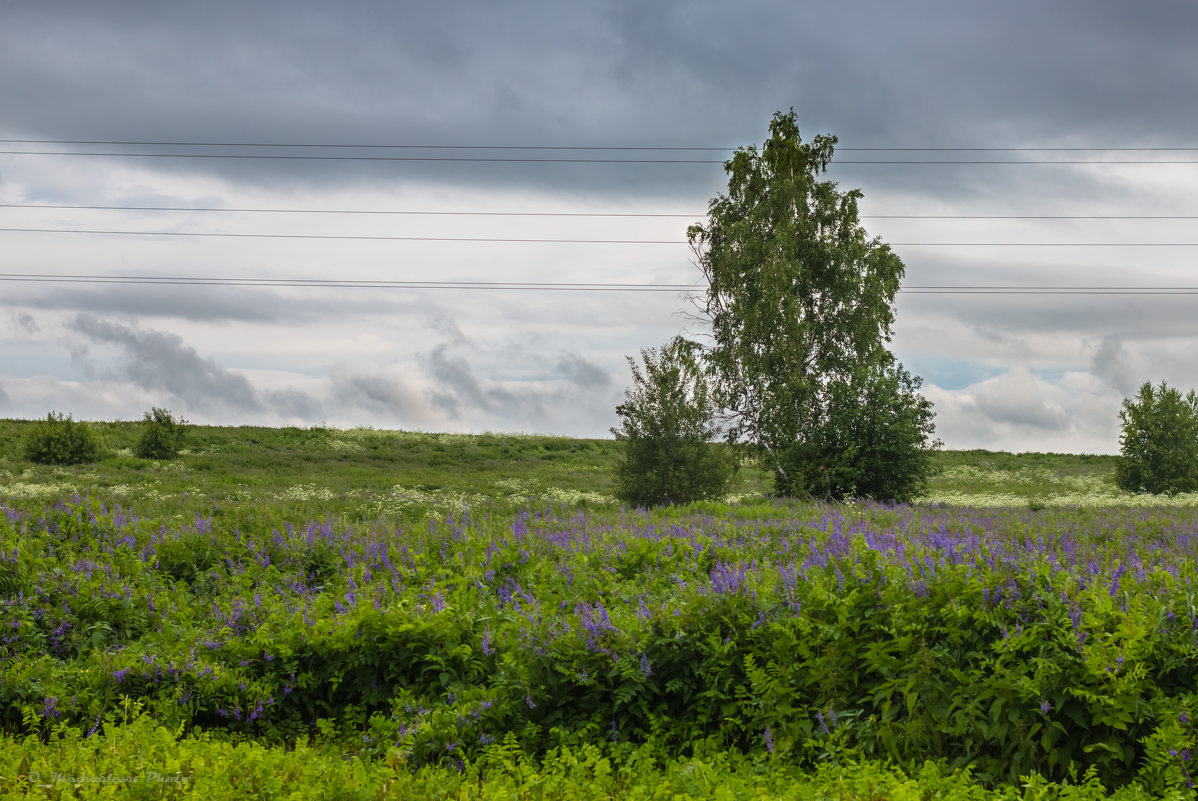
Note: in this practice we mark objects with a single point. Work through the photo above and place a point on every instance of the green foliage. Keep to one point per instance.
(667, 427)
(162, 436)
(62, 441)
(801, 304)
(873, 440)
(538, 647)
(1159, 441)
(135, 757)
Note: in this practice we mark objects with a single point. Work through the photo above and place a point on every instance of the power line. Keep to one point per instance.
(560, 286)
(352, 211)
(352, 146)
(676, 148)
(614, 214)
(355, 237)
(1051, 290)
(539, 240)
(298, 157)
(523, 160)
(345, 283)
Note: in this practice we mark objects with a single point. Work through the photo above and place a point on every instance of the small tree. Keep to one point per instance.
(61, 440)
(1159, 441)
(667, 427)
(874, 439)
(162, 436)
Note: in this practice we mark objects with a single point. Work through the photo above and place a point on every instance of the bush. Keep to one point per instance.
(1159, 441)
(873, 439)
(163, 435)
(61, 440)
(667, 428)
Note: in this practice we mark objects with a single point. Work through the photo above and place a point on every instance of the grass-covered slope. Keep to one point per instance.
(365, 472)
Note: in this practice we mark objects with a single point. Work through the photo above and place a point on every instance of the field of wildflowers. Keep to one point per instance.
(474, 617)
(1009, 641)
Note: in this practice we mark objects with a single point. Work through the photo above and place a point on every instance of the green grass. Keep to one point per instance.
(364, 473)
(358, 472)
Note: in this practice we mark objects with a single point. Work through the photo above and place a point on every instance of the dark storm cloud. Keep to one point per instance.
(159, 361)
(609, 74)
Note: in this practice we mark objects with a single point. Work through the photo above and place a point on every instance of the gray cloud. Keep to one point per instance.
(293, 403)
(1017, 411)
(24, 321)
(618, 73)
(623, 72)
(206, 304)
(458, 388)
(4, 400)
(1113, 363)
(392, 397)
(155, 360)
(583, 373)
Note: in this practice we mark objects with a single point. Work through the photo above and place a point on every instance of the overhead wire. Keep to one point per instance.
(574, 160)
(535, 240)
(960, 289)
(602, 214)
(412, 146)
(946, 289)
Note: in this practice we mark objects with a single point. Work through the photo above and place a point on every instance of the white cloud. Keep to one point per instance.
(1018, 411)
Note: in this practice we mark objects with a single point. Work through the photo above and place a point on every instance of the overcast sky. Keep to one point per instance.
(1005, 372)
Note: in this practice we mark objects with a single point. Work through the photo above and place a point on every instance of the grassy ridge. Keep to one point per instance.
(364, 472)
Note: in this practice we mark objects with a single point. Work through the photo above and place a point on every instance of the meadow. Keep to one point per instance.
(334, 613)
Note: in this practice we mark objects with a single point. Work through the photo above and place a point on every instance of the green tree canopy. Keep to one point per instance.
(800, 298)
(1159, 441)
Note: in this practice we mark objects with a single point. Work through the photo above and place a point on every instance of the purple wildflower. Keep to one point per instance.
(50, 707)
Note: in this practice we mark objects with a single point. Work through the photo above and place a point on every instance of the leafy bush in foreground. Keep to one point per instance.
(1054, 645)
(666, 431)
(162, 436)
(61, 440)
(1159, 441)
